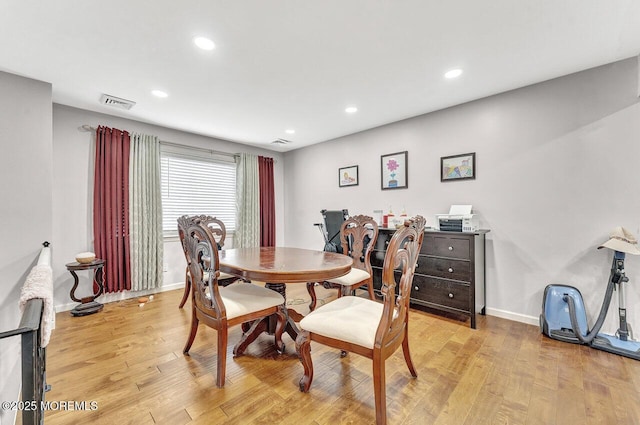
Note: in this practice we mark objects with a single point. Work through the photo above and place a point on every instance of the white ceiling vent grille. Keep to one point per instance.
(280, 142)
(116, 102)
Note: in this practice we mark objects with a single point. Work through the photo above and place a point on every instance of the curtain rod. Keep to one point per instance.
(88, 128)
(212, 151)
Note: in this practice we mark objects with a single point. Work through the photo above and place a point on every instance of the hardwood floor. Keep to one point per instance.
(129, 360)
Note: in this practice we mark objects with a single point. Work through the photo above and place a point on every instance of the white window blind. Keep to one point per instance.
(196, 183)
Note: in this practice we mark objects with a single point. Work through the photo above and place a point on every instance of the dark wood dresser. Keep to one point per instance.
(450, 272)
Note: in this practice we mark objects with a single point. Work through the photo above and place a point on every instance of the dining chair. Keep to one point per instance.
(219, 232)
(222, 307)
(358, 235)
(366, 327)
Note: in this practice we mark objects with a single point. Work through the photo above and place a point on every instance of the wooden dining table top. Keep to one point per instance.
(283, 264)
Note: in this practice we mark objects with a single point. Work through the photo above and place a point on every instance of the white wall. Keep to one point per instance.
(556, 172)
(25, 208)
(72, 196)
(556, 166)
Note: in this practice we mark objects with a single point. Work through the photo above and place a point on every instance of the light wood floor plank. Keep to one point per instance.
(129, 360)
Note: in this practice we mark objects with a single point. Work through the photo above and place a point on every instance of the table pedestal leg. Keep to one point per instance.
(290, 327)
(268, 324)
(257, 327)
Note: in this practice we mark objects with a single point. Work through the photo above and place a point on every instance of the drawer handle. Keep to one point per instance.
(450, 295)
(417, 265)
(450, 270)
(417, 288)
(450, 248)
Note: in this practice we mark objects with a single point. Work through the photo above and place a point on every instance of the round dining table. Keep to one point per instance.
(277, 266)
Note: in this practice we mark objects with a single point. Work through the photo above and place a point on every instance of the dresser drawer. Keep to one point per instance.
(441, 292)
(444, 267)
(447, 246)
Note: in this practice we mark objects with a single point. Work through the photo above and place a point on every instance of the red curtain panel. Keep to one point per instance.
(267, 202)
(111, 207)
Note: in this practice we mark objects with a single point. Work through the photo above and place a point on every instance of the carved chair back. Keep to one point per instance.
(218, 231)
(201, 251)
(358, 236)
(217, 228)
(402, 254)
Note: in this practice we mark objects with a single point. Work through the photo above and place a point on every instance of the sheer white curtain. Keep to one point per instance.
(248, 202)
(145, 212)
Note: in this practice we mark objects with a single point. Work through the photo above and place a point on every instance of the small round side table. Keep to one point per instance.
(87, 305)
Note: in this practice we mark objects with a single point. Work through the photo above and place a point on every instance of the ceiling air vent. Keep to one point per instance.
(116, 102)
(280, 142)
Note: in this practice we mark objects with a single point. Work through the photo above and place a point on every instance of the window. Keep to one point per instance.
(196, 182)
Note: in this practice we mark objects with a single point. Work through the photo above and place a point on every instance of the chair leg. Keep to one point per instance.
(379, 389)
(372, 295)
(311, 289)
(345, 290)
(280, 325)
(192, 333)
(303, 348)
(407, 354)
(187, 288)
(222, 356)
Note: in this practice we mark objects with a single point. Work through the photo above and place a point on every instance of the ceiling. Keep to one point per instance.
(292, 64)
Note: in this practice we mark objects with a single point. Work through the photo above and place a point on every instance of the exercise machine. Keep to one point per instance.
(564, 315)
(330, 228)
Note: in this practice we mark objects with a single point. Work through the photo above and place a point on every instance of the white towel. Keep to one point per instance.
(39, 284)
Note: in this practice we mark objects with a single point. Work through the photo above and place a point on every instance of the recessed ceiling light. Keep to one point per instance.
(159, 93)
(454, 73)
(290, 131)
(351, 110)
(204, 43)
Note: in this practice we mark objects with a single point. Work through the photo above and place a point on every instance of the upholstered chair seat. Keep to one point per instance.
(226, 276)
(353, 277)
(362, 315)
(243, 298)
(223, 276)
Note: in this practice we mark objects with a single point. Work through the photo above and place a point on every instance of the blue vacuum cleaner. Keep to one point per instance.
(564, 315)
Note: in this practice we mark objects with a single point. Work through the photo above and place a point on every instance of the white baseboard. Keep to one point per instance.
(516, 317)
(119, 296)
(125, 295)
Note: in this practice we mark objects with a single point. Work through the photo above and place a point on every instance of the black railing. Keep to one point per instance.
(34, 383)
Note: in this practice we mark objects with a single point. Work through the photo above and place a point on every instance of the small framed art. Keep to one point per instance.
(348, 176)
(393, 171)
(458, 167)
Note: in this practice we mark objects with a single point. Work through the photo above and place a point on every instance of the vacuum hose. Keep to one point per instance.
(617, 273)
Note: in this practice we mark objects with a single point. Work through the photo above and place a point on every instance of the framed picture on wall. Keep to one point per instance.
(393, 171)
(348, 176)
(458, 167)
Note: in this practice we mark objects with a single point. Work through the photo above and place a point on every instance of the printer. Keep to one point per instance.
(459, 219)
